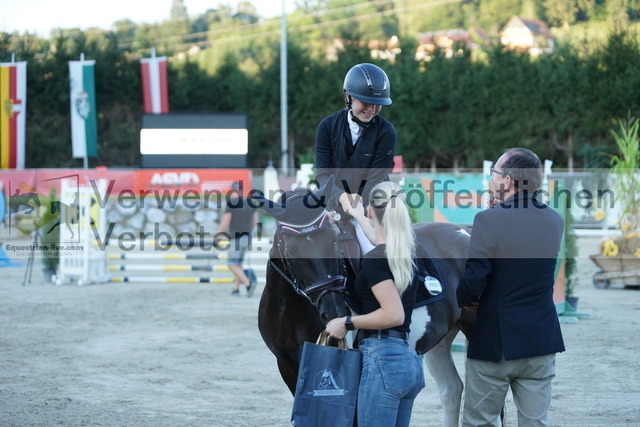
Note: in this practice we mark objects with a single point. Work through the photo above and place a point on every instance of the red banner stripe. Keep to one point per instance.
(164, 87)
(146, 88)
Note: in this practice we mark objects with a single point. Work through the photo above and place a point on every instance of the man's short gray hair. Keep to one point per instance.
(525, 169)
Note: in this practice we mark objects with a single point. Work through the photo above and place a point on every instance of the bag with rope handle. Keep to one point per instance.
(327, 387)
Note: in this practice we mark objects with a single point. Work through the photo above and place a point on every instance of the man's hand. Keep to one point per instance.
(494, 201)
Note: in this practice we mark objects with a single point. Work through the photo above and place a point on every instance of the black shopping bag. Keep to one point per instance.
(327, 387)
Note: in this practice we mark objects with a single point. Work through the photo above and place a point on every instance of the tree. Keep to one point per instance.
(178, 24)
(313, 93)
(246, 12)
(408, 89)
(562, 84)
(436, 17)
(125, 31)
(614, 83)
(178, 11)
(494, 14)
(567, 12)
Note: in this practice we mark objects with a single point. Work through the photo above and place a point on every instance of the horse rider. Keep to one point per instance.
(356, 146)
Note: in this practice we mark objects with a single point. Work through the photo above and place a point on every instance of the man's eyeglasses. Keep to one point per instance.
(498, 172)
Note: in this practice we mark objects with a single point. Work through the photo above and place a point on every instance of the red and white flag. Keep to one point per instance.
(155, 90)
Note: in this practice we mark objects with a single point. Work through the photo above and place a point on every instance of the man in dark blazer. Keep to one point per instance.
(509, 279)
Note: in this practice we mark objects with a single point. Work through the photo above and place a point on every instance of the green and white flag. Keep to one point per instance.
(84, 132)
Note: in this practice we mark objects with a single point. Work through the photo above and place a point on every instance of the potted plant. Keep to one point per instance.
(621, 252)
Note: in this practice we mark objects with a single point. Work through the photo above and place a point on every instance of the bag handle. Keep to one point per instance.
(325, 339)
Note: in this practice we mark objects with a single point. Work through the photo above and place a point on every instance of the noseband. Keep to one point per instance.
(330, 284)
(335, 283)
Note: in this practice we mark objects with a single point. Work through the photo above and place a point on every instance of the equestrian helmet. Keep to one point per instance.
(368, 83)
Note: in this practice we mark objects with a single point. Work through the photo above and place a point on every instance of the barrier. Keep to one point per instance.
(156, 256)
(154, 279)
(80, 260)
(153, 267)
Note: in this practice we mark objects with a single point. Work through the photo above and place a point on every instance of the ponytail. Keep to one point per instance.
(389, 204)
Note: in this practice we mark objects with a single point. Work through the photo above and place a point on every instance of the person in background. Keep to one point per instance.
(392, 370)
(509, 279)
(356, 144)
(238, 222)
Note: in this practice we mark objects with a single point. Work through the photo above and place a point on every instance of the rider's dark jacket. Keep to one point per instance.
(356, 168)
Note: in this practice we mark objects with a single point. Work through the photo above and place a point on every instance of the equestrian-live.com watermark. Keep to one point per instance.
(44, 250)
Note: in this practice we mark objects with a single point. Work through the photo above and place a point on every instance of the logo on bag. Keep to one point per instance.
(328, 383)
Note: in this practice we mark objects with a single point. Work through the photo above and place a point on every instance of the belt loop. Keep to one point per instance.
(379, 334)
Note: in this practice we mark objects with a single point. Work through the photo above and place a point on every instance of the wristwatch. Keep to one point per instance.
(349, 324)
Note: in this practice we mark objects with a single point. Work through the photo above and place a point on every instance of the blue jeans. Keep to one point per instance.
(392, 377)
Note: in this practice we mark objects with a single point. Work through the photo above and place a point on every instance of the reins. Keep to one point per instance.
(293, 284)
(330, 284)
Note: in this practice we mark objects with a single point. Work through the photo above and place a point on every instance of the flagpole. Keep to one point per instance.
(284, 145)
(85, 159)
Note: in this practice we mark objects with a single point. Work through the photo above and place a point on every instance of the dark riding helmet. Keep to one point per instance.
(368, 83)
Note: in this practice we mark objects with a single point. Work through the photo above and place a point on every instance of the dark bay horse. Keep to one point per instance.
(305, 287)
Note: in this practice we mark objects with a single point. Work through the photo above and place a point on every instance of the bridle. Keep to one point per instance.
(318, 289)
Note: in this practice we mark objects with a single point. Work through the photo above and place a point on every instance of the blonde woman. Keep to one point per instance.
(392, 371)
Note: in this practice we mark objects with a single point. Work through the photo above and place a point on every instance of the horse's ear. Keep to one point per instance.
(274, 209)
(323, 195)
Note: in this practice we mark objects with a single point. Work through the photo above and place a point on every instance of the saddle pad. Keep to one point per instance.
(431, 286)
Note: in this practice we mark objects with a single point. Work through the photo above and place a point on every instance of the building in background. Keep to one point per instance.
(528, 35)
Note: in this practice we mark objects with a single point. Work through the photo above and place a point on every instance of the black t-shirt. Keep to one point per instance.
(375, 269)
(241, 216)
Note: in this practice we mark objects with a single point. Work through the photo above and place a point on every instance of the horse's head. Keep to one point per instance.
(306, 249)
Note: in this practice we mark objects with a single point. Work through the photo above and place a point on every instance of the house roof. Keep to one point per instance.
(534, 25)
